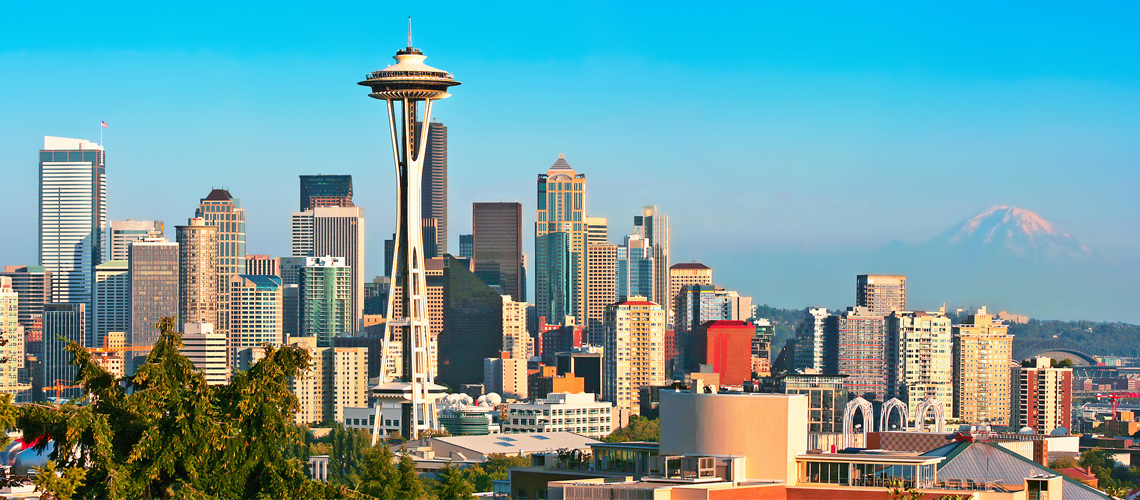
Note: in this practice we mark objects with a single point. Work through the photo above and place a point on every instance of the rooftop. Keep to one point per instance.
(689, 265)
(517, 444)
(560, 163)
(219, 195)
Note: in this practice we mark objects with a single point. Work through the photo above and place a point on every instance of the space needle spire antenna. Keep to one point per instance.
(408, 87)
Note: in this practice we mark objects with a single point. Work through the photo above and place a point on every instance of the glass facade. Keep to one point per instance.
(472, 325)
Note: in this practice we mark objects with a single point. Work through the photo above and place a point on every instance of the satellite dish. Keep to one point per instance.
(494, 399)
(1060, 431)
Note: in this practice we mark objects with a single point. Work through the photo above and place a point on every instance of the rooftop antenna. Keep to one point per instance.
(409, 32)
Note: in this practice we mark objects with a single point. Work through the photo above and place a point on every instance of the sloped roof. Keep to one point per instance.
(561, 164)
(219, 195)
(688, 265)
(986, 462)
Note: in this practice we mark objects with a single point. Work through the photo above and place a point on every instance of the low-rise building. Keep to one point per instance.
(561, 411)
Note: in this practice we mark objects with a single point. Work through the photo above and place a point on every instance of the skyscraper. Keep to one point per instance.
(498, 245)
(153, 264)
(681, 275)
(859, 338)
(983, 350)
(809, 339)
(654, 228)
(919, 358)
(467, 246)
(337, 232)
(325, 191)
(62, 323)
(111, 305)
(256, 312)
(73, 217)
(223, 211)
(263, 265)
(434, 185)
(12, 347)
(472, 322)
(597, 231)
(198, 273)
(33, 284)
(560, 243)
(207, 350)
(634, 354)
(326, 299)
(1045, 396)
(601, 288)
(881, 293)
(636, 268)
(123, 232)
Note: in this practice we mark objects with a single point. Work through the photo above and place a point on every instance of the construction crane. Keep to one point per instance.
(59, 387)
(1116, 397)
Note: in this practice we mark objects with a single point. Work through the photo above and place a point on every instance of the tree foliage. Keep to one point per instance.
(165, 433)
(639, 429)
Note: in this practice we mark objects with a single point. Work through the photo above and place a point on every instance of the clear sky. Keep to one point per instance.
(778, 126)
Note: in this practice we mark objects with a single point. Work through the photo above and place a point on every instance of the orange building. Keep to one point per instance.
(726, 346)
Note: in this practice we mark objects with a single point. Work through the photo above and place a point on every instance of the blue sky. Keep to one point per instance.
(778, 127)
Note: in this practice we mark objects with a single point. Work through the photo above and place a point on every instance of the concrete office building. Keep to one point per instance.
(498, 246)
(62, 323)
(112, 300)
(601, 288)
(1044, 397)
(206, 349)
(256, 311)
(72, 217)
(12, 348)
(467, 246)
(562, 412)
(198, 293)
(338, 232)
(33, 285)
(860, 348)
(221, 210)
(920, 362)
(983, 351)
(326, 299)
(827, 397)
(433, 186)
(153, 264)
(560, 243)
(337, 379)
(597, 231)
(726, 347)
(325, 191)
(123, 232)
(881, 293)
(634, 354)
(682, 275)
(506, 376)
(263, 265)
(653, 227)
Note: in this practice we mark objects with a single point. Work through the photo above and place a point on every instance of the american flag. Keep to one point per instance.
(103, 123)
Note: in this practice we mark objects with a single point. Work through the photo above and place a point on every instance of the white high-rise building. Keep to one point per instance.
(256, 312)
(514, 328)
(123, 232)
(112, 304)
(207, 350)
(920, 358)
(339, 232)
(634, 353)
(73, 217)
(809, 339)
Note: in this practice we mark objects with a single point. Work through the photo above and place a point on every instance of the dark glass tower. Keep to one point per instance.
(434, 186)
(472, 325)
(325, 191)
(498, 246)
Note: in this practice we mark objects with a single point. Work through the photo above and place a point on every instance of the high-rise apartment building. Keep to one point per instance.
(919, 360)
(12, 347)
(498, 252)
(198, 295)
(434, 187)
(123, 232)
(326, 299)
(506, 376)
(881, 293)
(653, 227)
(73, 217)
(601, 288)
(263, 265)
(112, 300)
(809, 339)
(515, 336)
(33, 284)
(634, 354)
(62, 323)
(153, 264)
(337, 378)
(636, 268)
(255, 312)
(1044, 396)
(325, 191)
(983, 351)
(681, 275)
(206, 349)
(560, 243)
(859, 340)
(337, 232)
(467, 246)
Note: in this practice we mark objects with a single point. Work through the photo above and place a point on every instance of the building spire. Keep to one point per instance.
(409, 32)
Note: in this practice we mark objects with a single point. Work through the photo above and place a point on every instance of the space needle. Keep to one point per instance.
(408, 87)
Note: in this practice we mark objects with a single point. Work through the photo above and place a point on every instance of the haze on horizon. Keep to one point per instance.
(786, 142)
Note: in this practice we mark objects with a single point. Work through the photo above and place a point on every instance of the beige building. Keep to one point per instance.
(506, 376)
(562, 209)
(110, 354)
(682, 275)
(634, 352)
(601, 259)
(207, 350)
(882, 293)
(198, 272)
(12, 333)
(223, 211)
(562, 412)
(919, 361)
(515, 336)
(983, 351)
(255, 312)
(337, 378)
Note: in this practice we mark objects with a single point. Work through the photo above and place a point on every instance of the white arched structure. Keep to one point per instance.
(927, 405)
(857, 405)
(904, 414)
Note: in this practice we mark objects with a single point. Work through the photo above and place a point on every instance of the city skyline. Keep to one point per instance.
(965, 103)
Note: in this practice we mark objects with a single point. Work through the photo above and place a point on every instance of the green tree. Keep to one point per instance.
(639, 429)
(379, 477)
(411, 487)
(498, 464)
(453, 484)
(166, 433)
(1064, 463)
(346, 454)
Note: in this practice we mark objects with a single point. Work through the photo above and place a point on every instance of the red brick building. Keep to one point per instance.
(727, 347)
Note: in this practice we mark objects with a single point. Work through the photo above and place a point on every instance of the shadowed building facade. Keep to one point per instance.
(498, 246)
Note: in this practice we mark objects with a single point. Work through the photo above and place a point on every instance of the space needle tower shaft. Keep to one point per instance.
(409, 87)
